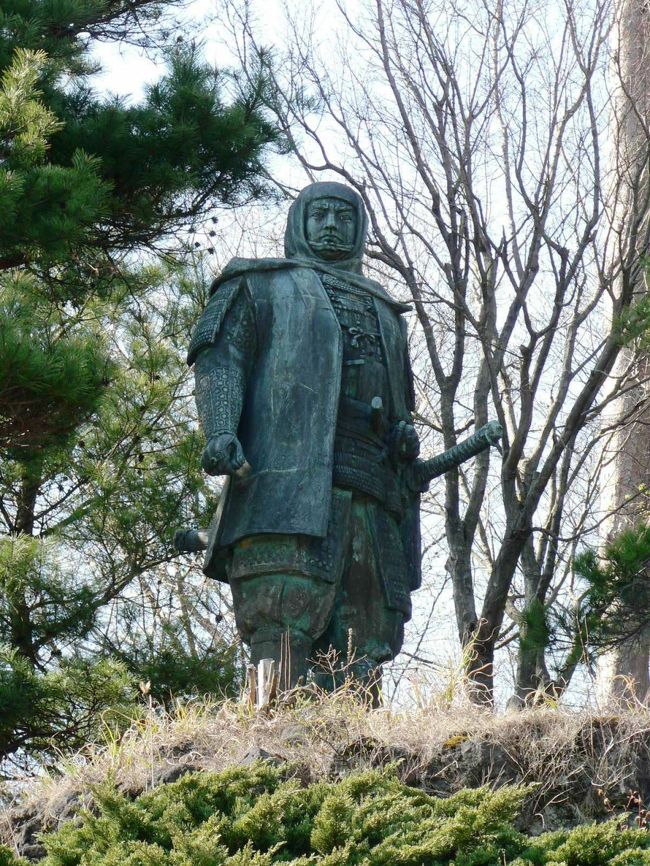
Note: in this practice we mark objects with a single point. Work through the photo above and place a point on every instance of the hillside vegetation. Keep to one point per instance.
(254, 815)
(331, 780)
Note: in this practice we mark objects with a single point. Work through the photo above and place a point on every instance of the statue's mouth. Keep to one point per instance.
(331, 242)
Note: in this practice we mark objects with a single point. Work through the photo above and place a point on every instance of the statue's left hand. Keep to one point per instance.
(403, 442)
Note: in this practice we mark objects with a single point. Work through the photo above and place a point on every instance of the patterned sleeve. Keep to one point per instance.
(223, 363)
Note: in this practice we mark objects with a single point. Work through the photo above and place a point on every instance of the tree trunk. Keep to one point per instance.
(626, 668)
(20, 614)
(624, 671)
(26, 502)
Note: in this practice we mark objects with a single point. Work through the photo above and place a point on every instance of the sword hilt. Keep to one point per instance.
(422, 472)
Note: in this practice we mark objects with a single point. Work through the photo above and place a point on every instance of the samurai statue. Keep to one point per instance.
(305, 394)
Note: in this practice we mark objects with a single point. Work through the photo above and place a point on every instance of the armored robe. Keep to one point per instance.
(306, 361)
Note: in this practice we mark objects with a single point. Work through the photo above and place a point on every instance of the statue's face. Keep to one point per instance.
(331, 228)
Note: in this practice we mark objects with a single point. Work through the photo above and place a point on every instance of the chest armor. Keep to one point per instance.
(364, 373)
(361, 460)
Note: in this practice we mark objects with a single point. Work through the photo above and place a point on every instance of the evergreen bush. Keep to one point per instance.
(258, 817)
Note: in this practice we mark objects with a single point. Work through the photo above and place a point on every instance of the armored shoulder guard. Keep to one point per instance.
(212, 317)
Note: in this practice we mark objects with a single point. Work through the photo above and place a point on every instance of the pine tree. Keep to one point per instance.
(99, 454)
(615, 608)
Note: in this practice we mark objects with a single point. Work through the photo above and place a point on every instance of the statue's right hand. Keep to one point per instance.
(223, 455)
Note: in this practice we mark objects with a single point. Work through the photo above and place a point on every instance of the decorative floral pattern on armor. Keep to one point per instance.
(356, 314)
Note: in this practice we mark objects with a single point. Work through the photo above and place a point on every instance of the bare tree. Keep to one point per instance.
(476, 133)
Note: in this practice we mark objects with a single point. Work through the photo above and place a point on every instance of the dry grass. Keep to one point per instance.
(578, 761)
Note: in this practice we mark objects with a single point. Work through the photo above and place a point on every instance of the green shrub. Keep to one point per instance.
(9, 859)
(255, 817)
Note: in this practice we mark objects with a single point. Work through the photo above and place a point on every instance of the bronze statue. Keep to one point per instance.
(305, 394)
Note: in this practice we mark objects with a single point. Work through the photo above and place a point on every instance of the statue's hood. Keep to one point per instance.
(296, 245)
(300, 255)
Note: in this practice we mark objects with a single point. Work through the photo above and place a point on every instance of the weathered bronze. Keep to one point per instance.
(305, 394)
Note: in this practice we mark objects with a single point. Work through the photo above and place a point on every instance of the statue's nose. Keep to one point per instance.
(330, 219)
